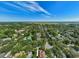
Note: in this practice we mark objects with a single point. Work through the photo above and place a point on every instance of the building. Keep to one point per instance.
(41, 54)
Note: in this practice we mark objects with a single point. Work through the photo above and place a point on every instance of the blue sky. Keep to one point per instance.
(39, 11)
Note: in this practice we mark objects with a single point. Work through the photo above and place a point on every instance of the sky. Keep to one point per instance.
(39, 11)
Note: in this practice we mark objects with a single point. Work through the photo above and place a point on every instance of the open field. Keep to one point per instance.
(39, 40)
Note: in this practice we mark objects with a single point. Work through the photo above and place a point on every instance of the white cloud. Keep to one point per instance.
(14, 5)
(37, 7)
(28, 6)
(32, 6)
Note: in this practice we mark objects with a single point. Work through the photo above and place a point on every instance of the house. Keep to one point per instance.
(41, 54)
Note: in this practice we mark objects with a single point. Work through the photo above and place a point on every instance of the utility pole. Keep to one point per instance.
(37, 51)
